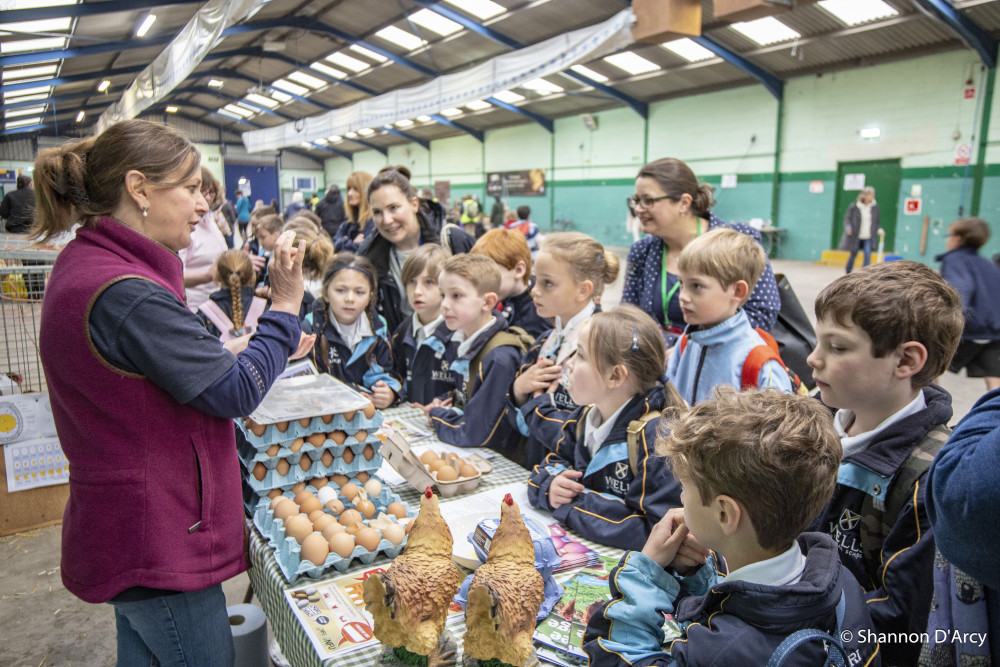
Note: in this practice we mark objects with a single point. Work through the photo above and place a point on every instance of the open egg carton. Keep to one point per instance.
(283, 465)
(310, 536)
(421, 474)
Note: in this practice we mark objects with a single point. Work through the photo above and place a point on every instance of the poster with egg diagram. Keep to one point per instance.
(333, 614)
(32, 455)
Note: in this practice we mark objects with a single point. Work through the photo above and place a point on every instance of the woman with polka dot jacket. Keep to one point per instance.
(674, 210)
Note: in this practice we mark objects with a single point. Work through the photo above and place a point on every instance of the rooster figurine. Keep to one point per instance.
(505, 594)
(409, 601)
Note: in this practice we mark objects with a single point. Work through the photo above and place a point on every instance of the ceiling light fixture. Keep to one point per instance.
(146, 25)
(80, 116)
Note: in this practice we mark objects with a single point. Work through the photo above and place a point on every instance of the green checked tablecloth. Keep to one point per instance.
(269, 584)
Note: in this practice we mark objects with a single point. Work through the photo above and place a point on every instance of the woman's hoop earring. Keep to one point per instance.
(145, 210)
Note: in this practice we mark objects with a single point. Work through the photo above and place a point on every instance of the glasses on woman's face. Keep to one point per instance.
(644, 202)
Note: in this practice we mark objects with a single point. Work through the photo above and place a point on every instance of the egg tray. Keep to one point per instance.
(288, 552)
(295, 430)
(399, 455)
(250, 456)
(274, 480)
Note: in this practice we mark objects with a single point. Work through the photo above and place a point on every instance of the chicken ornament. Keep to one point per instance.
(505, 595)
(409, 601)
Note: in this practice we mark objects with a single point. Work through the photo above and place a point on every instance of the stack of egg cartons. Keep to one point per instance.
(311, 488)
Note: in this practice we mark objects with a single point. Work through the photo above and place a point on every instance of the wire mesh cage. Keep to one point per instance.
(23, 275)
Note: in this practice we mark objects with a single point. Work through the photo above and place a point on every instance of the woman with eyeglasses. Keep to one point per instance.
(673, 210)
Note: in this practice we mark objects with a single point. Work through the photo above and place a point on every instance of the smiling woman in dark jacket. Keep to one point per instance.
(403, 222)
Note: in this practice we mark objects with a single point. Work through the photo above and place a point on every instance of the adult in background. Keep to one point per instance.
(861, 225)
(358, 224)
(243, 213)
(207, 243)
(330, 210)
(295, 206)
(18, 207)
(977, 279)
(143, 398)
(673, 209)
(496, 213)
(404, 221)
(224, 207)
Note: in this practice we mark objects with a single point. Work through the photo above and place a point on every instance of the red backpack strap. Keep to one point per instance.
(683, 343)
(755, 361)
(769, 339)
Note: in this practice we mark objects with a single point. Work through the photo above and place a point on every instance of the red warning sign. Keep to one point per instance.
(912, 206)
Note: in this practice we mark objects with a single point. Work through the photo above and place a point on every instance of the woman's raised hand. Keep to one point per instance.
(285, 270)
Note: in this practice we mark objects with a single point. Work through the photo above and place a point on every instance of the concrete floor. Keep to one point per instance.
(43, 625)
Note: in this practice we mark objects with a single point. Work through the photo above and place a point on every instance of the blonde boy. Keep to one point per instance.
(755, 468)
(510, 251)
(483, 357)
(885, 333)
(717, 272)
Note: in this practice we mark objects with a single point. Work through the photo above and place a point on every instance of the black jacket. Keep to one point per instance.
(330, 210)
(18, 209)
(377, 249)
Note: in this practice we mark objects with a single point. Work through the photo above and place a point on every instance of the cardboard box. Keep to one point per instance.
(735, 11)
(658, 21)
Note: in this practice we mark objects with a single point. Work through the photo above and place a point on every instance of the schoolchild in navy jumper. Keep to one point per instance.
(513, 257)
(755, 468)
(596, 493)
(474, 415)
(885, 333)
(419, 343)
(571, 271)
(353, 345)
(233, 311)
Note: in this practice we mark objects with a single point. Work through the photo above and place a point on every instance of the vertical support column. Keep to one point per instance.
(550, 181)
(984, 136)
(776, 182)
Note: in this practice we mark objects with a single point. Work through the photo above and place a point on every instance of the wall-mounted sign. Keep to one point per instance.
(815, 187)
(962, 153)
(526, 183)
(854, 181)
(912, 206)
(729, 181)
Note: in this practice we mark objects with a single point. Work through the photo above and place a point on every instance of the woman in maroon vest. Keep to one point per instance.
(143, 398)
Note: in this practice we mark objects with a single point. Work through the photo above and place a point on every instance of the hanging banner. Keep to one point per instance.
(526, 183)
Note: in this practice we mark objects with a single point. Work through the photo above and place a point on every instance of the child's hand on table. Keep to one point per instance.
(565, 488)
(382, 395)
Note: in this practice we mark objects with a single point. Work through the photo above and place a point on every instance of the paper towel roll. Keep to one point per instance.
(249, 628)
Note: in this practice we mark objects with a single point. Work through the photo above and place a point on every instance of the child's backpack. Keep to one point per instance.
(512, 337)
(226, 326)
(836, 653)
(755, 361)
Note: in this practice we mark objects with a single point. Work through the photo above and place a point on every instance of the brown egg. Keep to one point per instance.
(298, 486)
(255, 428)
(353, 529)
(315, 514)
(349, 416)
(362, 477)
(298, 526)
(326, 458)
(285, 508)
(259, 471)
(276, 500)
(316, 439)
(368, 452)
(305, 463)
(452, 456)
(467, 470)
(429, 457)
(336, 506)
(342, 544)
(300, 496)
(398, 510)
(368, 538)
(338, 479)
(331, 529)
(349, 491)
(296, 444)
(281, 426)
(366, 507)
(373, 488)
(348, 456)
(310, 504)
(326, 418)
(446, 474)
(361, 435)
(338, 437)
(409, 527)
(369, 410)
(282, 467)
(273, 450)
(322, 520)
(273, 495)
(350, 517)
(305, 421)
(315, 548)
(394, 533)
(318, 482)
(437, 464)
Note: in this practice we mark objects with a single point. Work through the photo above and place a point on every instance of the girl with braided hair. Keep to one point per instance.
(352, 340)
(233, 310)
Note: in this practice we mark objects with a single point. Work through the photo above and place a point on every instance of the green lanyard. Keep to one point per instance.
(668, 295)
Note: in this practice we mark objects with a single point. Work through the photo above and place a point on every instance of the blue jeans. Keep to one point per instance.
(864, 245)
(188, 629)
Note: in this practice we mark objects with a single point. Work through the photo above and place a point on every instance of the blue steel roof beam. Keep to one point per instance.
(257, 52)
(307, 23)
(331, 149)
(59, 99)
(89, 50)
(638, 106)
(470, 23)
(27, 128)
(205, 90)
(86, 9)
(541, 120)
(968, 30)
(458, 126)
(76, 78)
(409, 137)
(366, 144)
(774, 85)
(233, 74)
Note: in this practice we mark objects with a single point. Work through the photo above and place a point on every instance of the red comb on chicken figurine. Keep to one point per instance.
(508, 499)
(428, 492)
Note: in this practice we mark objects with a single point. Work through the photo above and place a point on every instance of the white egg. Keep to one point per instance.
(326, 494)
(373, 487)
